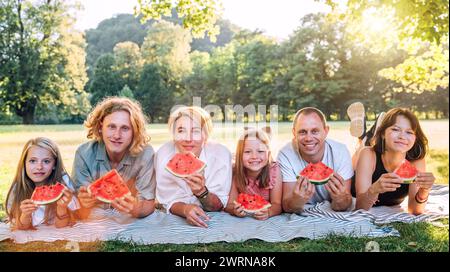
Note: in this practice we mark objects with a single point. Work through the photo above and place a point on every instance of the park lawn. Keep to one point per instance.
(415, 237)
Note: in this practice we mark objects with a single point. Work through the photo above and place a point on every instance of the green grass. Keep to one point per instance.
(415, 237)
(421, 236)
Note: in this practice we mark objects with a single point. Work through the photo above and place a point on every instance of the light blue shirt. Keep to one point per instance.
(91, 162)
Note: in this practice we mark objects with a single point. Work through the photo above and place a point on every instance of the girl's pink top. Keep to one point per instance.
(253, 184)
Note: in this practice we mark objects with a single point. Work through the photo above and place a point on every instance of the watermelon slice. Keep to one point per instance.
(252, 203)
(317, 173)
(47, 194)
(109, 187)
(184, 164)
(407, 172)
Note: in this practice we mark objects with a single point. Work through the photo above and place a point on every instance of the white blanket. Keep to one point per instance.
(316, 222)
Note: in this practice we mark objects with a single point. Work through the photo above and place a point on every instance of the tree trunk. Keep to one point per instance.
(27, 111)
(28, 117)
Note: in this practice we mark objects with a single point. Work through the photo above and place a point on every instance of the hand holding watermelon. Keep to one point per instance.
(27, 207)
(262, 214)
(87, 200)
(336, 187)
(126, 204)
(196, 182)
(388, 182)
(64, 201)
(303, 190)
(425, 180)
(238, 210)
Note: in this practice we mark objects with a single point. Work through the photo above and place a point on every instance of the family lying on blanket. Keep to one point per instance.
(119, 141)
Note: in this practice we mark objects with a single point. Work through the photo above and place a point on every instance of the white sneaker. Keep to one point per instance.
(356, 114)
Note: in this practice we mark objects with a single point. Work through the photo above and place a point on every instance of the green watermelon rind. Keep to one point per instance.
(320, 182)
(37, 202)
(409, 180)
(251, 212)
(186, 175)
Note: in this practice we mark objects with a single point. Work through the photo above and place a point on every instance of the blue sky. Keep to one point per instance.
(277, 18)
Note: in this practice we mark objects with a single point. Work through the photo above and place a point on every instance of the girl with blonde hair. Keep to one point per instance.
(40, 164)
(255, 172)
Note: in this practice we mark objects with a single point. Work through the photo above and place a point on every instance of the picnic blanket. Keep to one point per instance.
(316, 222)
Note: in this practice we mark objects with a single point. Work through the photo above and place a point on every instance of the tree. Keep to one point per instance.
(154, 93)
(109, 32)
(168, 45)
(34, 65)
(126, 92)
(128, 63)
(425, 20)
(199, 16)
(420, 29)
(106, 81)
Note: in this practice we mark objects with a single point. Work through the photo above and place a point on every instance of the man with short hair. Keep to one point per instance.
(310, 145)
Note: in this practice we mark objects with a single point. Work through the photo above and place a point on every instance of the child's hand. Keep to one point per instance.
(261, 215)
(238, 210)
(27, 207)
(86, 199)
(65, 199)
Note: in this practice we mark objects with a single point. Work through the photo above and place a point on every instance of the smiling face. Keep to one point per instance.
(400, 137)
(117, 133)
(309, 135)
(39, 164)
(255, 155)
(188, 135)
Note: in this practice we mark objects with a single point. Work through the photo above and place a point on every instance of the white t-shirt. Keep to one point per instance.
(171, 189)
(336, 156)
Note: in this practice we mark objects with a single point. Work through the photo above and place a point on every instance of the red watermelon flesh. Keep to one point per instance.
(184, 164)
(47, 194)
(407, 172)
(253, 203)
(109, 187)
(317, 173)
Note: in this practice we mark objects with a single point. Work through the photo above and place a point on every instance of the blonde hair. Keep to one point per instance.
(239, 170)
(192, 112)
(113, 104)
(22, 186)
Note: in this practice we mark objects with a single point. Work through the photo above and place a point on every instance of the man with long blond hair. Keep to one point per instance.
(119, 140)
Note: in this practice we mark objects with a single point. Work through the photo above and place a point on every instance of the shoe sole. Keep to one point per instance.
(356, 114)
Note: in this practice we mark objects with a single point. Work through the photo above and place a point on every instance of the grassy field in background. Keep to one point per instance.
(419, 236)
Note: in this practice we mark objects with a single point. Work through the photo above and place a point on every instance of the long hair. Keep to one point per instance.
(22, 186)
(420, 147)
(239, 169)
(113, 104)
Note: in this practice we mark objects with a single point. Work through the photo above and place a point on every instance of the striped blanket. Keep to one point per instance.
(316, 222)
